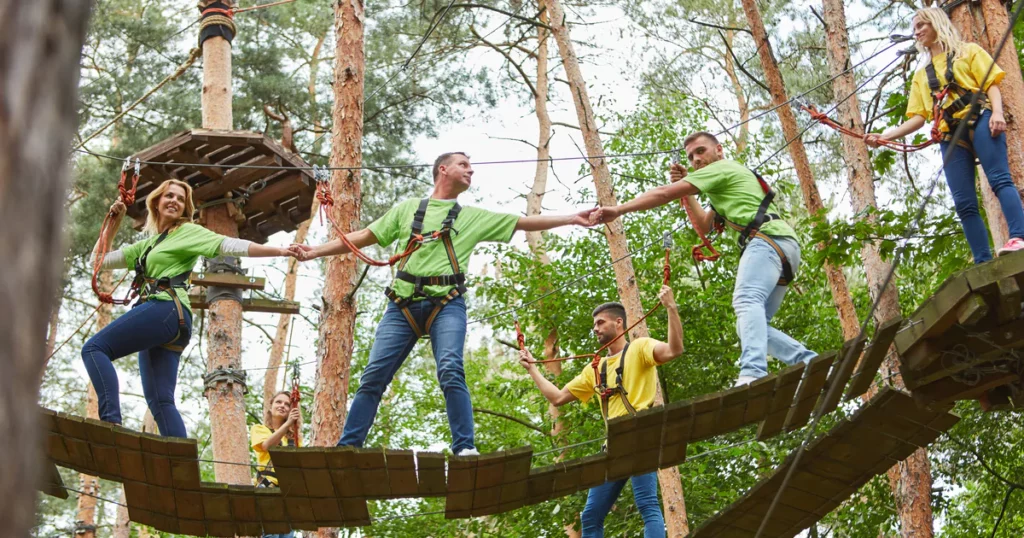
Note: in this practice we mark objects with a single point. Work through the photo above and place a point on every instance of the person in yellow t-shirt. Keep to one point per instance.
(631, 366)
(967, 64)
(276, 430)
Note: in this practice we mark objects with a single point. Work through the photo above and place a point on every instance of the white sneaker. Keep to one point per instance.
(744, 380)
(471, 451)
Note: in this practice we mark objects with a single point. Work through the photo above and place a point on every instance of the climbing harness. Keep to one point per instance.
(961, 99)
(750, 231)
(127, 197)
(599, 366)
(753, 228)
(456, 281)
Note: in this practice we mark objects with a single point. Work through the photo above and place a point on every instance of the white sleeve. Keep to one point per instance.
(235, 247)
(114, 260)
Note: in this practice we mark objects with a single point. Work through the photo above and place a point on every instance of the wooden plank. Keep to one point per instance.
(621, 441)
(872, 358)
(315, 472)
(785, 387)
(243, 503)
(815, 375)
(270, 503)
(216, 502)
(568, 480)
(514, 477)
(234, 179)
(594, 470)
(760, 398)
(273, 527)
(490, 472)
(272, 306)
(355, 511)
(189, 505)
(958, 350)
(936, 315)
(734, 409)
(540, 483)
(676, 433)
(53, 484)
(327, 512)
(985, 277)
(185, 474)
(155, 460)
(300, 512)
(55, 448)
(848, 358)
(183, 155)
(431, 477)
(402, 473)
(373, 472)
(221, 528)
(193, 527)
(1008, 293)
(972, 311)
(75, 434)
(649, 427)
(705, 411)
(228, 280)
(949, 390)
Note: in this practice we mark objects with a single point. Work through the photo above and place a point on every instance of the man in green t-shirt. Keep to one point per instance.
(736, 195)
(427, 294)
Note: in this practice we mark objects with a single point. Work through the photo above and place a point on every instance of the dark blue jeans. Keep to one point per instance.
(960, 177)
(601, 498)
(143, 329)
(392, 343)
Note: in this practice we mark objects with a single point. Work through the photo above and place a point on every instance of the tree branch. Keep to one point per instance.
(739, 65)
(526, 79)
(709, 25)
(506, 13)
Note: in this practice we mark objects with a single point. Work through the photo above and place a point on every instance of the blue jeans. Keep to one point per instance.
(143, 329)
(601, 498)
(960, 174)
(287, 535)
(756, 298)
(391, 345)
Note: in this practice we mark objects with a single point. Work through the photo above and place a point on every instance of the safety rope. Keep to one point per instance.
(323, 194)
(295, 398)
(936, 135)
(126, 195)
(698, 251)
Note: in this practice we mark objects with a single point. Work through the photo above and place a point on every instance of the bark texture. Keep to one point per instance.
(338, 312)
(625, 278)
(812, 199)
(40, 50)
(910, 480)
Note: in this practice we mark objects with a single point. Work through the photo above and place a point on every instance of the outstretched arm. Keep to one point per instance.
(361, 238)
(556, 396)
(655, 197)
(901, 130)
(666, 351)
(538, 223)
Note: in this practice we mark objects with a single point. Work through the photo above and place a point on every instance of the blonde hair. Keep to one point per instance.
(152, 227)
(268, 416)
(946, 34)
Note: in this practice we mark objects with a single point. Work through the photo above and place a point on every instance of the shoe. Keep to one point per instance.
(471, 451)
(1014, 244)
(744, 380)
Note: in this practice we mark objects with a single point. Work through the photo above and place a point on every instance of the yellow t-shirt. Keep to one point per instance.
(258, 434)
(968, 70)
(640, 378)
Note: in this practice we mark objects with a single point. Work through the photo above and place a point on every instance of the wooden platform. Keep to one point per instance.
(833, 467)
(251, 304)
(280, 200)
(964, 340)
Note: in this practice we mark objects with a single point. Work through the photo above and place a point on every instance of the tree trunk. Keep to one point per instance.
(338, 313)
(671, 485)
(997, 22)
(911, 480)
(40, 49)
(122, 525)
(224, 330)
(812, 199)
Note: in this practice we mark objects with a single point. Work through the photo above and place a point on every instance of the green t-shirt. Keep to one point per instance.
(174, 255)
(472, 226)
(735, 194)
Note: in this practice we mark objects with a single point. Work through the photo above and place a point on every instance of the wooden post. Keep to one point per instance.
(40, 51)
(224, 327)
(911, 481)
(625, 278)
(338, 313)
(812, 199)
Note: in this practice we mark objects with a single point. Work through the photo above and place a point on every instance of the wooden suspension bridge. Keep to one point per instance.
(960, 344)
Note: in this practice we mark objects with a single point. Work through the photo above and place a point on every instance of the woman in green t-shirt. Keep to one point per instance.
(158, 327)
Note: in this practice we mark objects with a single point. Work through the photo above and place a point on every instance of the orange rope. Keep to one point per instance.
(936, 135)
(323, 194)
(127, 197)
(295, 397)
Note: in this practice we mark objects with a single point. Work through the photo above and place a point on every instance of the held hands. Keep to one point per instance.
(667, 298)
(585, 217)
(997, 124)
(303, 253)
(604, 214)
(526, 359)
(676, 172)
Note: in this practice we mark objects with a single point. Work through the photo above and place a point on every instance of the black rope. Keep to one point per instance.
(958, 135)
